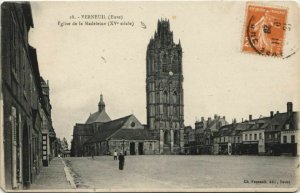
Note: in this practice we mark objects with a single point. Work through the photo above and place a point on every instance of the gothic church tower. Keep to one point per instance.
(164, 89)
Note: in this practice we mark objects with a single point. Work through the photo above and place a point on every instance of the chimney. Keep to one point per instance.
(250, 117)
(242, 120)
(202, 119)
(277, 112)
(216, 116)
(204, 124)
(271, 114)
(224, 117)
(208, 120)
(290, 108)
(234, 120)
(219, 124)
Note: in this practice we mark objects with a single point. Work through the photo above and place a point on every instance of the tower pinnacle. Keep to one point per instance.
(101, 104)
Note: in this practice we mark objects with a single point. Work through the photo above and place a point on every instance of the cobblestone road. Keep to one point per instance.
(184, 172)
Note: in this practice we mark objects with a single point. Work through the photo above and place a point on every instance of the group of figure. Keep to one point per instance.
(121, 159)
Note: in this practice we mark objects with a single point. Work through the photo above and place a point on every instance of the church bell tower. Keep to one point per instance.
(165, 116)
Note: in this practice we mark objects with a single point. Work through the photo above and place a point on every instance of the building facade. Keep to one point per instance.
(228, 140)
(100, 135)
(276, 134)
(189, 140)
(23, 109)
(205, 131)
(84, 131)
(125, 135)
(164, 91)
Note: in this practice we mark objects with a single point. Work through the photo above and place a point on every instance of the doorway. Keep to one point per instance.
(166, 137)
(141, 148)
(132, 148)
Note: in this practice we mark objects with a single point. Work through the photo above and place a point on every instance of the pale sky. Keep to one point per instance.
(81, 62)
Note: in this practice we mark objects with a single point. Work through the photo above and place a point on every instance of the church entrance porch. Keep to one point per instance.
(169, 141)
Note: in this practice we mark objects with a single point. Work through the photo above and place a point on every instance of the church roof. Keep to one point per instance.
(83, 130)
(99, 116)
(121, 129)
(108, 128)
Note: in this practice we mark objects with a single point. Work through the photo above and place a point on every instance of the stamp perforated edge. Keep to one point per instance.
(262, 4)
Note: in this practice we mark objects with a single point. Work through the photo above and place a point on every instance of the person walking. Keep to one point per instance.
(121, 161)
(115, 155)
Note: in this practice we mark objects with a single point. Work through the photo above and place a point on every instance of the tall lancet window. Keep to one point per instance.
(174, 64)
(165, 97)
(164, 63)
(174, 97)
(165, 105)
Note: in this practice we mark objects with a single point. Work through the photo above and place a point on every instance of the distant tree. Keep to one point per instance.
(64, 144)
(72, 149)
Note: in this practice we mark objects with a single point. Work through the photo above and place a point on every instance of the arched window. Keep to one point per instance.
(166, 137)
(176, 137)
(174, 97)
(164, 63)
(165, 97)
(165, 109)
(175, 64)
(157, 97)
(175, 112)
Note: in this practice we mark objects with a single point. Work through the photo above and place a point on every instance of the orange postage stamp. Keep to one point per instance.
(264, 30)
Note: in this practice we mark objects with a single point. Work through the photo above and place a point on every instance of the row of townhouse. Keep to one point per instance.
(200, 139)
(272, 135)
(27, 136)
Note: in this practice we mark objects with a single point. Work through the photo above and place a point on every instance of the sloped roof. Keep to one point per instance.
(132, 134)
(83, 130)
(107, 129)
(226, 130)
(99, 116)
(242, 126)
(280, 119)
(213, 124)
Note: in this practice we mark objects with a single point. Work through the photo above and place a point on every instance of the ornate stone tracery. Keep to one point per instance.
(164, 80)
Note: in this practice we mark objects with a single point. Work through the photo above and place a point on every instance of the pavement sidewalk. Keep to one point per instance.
(55, 176)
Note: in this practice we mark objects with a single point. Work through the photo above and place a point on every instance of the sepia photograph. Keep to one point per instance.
(149, 96)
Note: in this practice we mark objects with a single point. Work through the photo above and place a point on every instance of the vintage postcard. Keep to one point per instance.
(149, 96)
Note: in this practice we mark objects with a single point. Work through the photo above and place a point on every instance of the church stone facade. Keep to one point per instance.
(164, 91)
(100, 135)
(84, 131)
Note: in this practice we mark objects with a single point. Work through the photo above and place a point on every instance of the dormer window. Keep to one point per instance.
(287, 126)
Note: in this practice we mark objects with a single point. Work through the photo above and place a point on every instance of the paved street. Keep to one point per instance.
(170, 172)
(53, 177)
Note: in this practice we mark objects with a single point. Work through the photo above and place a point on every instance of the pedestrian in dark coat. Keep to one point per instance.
(121, 161)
